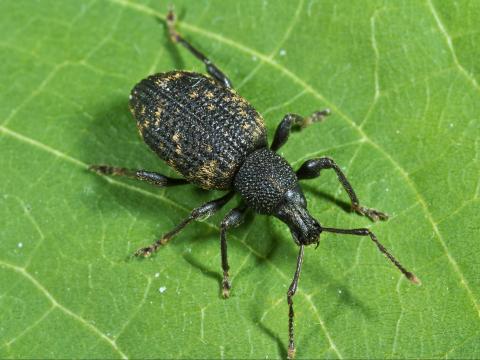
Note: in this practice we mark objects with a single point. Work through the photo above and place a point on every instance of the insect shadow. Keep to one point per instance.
(241, 242)
(335, 291)
(110, 131)
(344, 205)
(282, 349)
(114, 122)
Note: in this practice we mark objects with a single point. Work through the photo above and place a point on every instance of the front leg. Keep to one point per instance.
(290, 120)
(291, 315)
(311, 169)
(232, 219)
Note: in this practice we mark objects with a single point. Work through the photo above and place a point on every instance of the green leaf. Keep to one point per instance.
(402, 81)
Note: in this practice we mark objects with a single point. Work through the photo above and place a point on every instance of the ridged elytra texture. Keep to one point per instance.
(200, 128)
(264, 179)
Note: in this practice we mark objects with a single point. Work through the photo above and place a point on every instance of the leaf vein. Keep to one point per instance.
(294, 22)
(29, 328)
(56, 304)
(448, 39)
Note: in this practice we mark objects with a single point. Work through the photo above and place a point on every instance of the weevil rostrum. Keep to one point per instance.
(216, 140)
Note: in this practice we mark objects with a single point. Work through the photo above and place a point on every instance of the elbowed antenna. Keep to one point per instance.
(365, 232)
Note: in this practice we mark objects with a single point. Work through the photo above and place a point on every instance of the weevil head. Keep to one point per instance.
(268, 184)
(293, 212)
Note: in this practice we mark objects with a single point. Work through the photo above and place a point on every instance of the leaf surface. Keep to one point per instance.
(402, 81)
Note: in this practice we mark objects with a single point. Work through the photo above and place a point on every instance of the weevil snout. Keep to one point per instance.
(304, 228)
(293, 211)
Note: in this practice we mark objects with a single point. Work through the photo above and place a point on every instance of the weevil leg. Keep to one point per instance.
(290, 121)
(291, 291)
(202, 212)
(233, 219)
(365, 232)
(143, 175)
(212, 69)
(310, 169)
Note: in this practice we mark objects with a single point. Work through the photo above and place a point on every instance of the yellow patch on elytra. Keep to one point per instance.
(227, 99)
(209, 95)
(209, 148)
(242, 112)
(246, 126)
(193, 94)
(257, 134)
(231, 169)
(172, 164)
(240, 100)
(158, 112)
(207, 171)
(178, 75)
(210, 107)
(259, 121)
(162, 82)
(141, 126)
(176, 139)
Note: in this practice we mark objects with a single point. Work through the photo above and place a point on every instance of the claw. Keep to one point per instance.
(291, 353)
(373, 214)
(226, 286)
(109, 170)
(171, 19)
(145, 252)
(226, 292)
(317, 116)
(149, 250)
(99, 169)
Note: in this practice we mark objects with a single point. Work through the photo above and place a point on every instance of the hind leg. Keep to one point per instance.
(212, 69)
(231, 220)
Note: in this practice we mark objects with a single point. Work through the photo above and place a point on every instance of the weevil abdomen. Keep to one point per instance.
(200, 128)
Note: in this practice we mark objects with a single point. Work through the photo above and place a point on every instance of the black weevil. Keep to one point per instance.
(212, 136)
